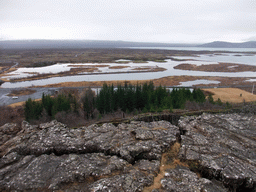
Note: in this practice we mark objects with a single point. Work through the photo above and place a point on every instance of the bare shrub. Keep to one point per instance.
(70, 119)
(207, 105)
(11, 115)
(192, 106)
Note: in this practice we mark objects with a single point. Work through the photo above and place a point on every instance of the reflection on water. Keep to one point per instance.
(201, 59)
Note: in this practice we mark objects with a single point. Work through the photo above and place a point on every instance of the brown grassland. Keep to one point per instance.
(232, 95)
(221, 67)
(21, 92)
(118, 67)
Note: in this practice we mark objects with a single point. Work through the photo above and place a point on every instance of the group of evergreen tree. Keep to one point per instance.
(144, 97)
(52, 105)
(109, 99)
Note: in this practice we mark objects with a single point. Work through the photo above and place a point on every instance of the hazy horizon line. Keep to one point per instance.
(124, 41)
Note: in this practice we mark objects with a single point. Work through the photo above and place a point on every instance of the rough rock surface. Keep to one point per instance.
(95, 158)
(222, 147)
(218, 154)
(138, 140)
(7, 132)
(182, 179)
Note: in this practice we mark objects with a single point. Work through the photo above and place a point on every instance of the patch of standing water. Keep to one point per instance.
(251, 80)
(26, 72)
(198, 82)
(57, 68)
(123, 60)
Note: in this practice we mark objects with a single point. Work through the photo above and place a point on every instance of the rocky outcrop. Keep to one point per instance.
(8, 131)
(138, 140)
(217, 153)
(51, 156)
(183, 179)
(222, 147)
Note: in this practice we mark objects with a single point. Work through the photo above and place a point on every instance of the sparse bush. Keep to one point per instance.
(219, 102)
(192, 105)
(136, 112)
(228, 105)
(71, 119)
(152, 109)
(144, 110)
(10, 114)
(210, 99)
(159, 110)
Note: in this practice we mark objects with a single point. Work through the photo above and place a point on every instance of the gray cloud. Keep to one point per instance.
(133, 20)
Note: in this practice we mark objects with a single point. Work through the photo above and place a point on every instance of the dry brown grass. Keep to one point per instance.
(74, 71)
(232, 95)
(93, 83)
(21, 92)
(165, 81)
(221, 67)
(22, 103)
(118, 67)
(149, 69)
(169, 160)
(159, 128)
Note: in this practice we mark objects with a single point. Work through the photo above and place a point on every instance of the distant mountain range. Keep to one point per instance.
(72, 44)
(76, 44)
(223, 44)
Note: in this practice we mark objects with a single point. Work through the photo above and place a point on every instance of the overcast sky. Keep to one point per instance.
(170, 21)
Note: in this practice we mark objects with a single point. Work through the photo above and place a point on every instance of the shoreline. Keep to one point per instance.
(67, 73)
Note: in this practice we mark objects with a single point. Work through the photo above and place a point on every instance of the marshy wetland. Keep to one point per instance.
(88, 66)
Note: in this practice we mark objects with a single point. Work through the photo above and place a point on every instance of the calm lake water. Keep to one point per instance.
(236, 58)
